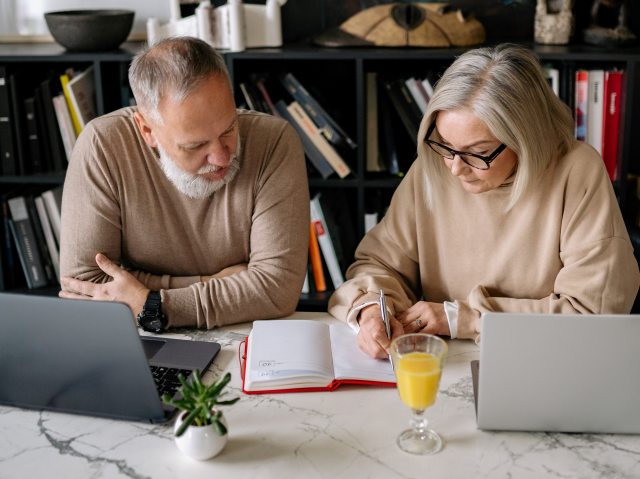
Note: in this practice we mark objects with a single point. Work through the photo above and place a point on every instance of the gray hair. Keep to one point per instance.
(504, 86)
(174, 66)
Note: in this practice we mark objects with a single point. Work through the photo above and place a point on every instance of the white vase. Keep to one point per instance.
(200, 442)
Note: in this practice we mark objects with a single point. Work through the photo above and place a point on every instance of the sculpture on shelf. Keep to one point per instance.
(405, 25)
(553, 28)
(609, 24)
(234, 26)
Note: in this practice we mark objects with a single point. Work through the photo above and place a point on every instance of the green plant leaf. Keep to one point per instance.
(187, 422)
(228, 402)
(220, 428)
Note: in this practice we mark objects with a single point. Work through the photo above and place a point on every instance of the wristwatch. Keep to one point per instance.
(151, 318)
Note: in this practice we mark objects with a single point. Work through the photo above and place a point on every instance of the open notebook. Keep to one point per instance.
(301, 355)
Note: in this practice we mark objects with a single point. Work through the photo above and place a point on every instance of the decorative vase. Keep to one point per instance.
(553, 28)
(200, 442)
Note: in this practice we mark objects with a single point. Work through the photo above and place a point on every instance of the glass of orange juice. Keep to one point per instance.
(417, 361)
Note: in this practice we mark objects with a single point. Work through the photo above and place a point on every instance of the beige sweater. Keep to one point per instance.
(118, 201)
(563, 249)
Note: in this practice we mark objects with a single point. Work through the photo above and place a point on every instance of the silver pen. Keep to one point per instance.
(385, 318)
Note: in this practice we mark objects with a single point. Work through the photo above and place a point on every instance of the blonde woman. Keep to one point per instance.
(502, 211)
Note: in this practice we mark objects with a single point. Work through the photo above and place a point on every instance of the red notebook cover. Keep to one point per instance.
(332, 386)
(611, 121)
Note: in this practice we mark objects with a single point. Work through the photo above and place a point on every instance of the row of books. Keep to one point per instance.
(332, 242)
(597, 107)
(40, 121)
(30, 246)
(325, 142)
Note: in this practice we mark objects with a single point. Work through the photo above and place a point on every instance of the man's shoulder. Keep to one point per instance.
(261, 125)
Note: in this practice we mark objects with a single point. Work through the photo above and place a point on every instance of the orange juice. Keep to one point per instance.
(418, 376)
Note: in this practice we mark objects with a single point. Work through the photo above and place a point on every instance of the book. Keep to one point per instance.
(325, 123)
(416, 93)
(67, 132)
(333, 158)
(35, 163)
(581, 104)
(314, 155)
(262, 88)
(64, 81)
(26, 243)
(43, 131)
(82, 91)
(8, 160)
(404, 106)
(325, 242)
(47, 231)
(370, 220)
(553, 78)
(611, 123)
(316, 260)
(388, 145)
(317, 357)
(373, 151)
(53, 203)
(595, 109)
(340, 223)
(18, 120)
(55, 145)
(47, 263)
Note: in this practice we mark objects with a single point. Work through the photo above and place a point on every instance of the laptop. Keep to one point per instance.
(86, 357)
(569, 373)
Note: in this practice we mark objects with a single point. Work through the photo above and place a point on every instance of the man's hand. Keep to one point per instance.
(372, 337)
(123, 288)
(425, 317)
(235, 269)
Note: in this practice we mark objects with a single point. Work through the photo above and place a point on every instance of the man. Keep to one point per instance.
(183, 206)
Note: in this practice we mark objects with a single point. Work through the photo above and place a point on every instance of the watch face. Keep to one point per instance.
(153, 323)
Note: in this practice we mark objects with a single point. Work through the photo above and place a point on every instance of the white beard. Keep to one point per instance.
(194, 185)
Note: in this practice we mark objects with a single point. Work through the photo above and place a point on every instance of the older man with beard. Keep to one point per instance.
(188, 210)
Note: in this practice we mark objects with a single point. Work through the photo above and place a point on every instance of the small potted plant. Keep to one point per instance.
(200, 428)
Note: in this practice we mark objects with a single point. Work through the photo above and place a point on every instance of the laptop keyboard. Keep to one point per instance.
(166, 379)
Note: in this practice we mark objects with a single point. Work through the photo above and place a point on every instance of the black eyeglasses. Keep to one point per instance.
(475, 161)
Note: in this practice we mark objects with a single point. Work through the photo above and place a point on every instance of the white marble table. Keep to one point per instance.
(348, 433)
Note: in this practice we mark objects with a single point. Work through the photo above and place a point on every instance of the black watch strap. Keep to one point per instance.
(151, 318)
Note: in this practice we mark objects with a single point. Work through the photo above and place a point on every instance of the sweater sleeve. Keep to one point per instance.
(271, 285)
(386, 258)
(599, 272)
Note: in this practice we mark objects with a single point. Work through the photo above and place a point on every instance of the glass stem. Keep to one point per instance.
(418, 422)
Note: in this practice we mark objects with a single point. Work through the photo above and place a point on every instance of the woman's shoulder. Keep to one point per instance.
(581, 163)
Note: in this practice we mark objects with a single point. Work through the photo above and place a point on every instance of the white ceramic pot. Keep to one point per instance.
(200, 442)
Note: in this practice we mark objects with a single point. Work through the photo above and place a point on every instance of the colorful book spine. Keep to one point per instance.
(581, 104)
(612, 117)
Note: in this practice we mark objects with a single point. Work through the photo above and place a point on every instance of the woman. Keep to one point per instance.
(502, 211)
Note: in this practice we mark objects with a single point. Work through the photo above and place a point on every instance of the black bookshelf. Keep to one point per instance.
(338, 75)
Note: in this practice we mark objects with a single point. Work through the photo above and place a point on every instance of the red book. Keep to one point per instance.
(294, 355)
(611, 120)
(316, 259)
(581, 104)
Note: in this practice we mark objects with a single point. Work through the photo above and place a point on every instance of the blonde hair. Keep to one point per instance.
(505, 88)
(174, 66)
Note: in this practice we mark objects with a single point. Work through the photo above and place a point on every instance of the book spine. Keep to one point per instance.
(52, 200)
(82, 92)
(26, 243)
(18, 120)
(581, 104)
(8, 161)
(611, 127)
(55, 146)
(316, 260)
(43, 250)
(35, 163)
(373, 151)
(43, 132)
(334, 159)
(314, 155)
(64, 81)
(595, 109)
(54, 253)
(64, 123)
(329, 128)
(325, 242)
(416, 94)
(398, 101)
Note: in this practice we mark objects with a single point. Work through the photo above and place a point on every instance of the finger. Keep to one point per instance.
(108, 266)
(74, 285)
(368, 346)
(70, 295)
(396, 328)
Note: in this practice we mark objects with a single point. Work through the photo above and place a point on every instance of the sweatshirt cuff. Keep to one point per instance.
(468, 326)
(179, 306)
(451, 311)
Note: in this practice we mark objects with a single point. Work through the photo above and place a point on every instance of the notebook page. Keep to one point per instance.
(351, 363)
(288, 353)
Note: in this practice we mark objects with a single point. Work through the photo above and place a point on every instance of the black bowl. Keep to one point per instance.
(90, 30)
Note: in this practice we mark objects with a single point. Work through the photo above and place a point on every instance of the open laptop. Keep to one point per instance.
(571, 373)
(86, 357)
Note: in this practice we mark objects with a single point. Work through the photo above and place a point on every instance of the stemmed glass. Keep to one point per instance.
(417, 361)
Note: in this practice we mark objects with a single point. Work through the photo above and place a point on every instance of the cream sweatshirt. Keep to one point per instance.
(562, 249)
(118, 201)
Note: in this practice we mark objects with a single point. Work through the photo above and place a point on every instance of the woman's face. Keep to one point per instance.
(461, 130)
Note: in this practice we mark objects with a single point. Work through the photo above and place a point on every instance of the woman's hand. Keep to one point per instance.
(372, 337)
(123, 288)
(425, 317)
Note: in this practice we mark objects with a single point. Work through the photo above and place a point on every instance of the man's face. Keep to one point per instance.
(198, 139)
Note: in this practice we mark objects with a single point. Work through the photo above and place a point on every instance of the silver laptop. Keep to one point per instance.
(571, 373)
(86, 357)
